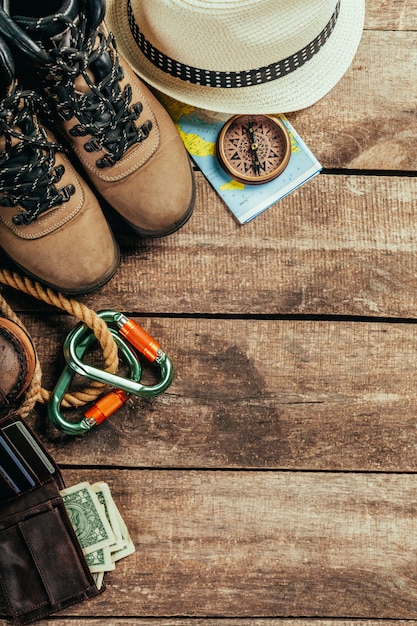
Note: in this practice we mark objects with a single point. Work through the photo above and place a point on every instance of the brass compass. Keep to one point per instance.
(254, 149)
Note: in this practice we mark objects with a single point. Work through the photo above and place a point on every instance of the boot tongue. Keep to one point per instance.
(54, 31)
(51, 31)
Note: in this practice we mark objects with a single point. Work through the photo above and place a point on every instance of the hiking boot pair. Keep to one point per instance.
(61, 75)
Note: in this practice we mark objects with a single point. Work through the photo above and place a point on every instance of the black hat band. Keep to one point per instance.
(224, 80)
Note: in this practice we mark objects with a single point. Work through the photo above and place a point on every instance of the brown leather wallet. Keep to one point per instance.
(42, 566)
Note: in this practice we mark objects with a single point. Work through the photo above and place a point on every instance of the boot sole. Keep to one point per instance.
(78, 290)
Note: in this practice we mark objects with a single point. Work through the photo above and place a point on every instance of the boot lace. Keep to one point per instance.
(28, 174)
(104, 112)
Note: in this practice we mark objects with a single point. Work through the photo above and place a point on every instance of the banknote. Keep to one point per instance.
(98, 579)
(128, 545)
(99, 526)
(88, 518)
(123, 545)
(102, 490)
(100, 560)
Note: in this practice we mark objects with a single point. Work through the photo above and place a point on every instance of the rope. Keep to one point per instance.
(35, 392)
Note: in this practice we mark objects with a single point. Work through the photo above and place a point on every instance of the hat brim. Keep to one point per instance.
(297, 90)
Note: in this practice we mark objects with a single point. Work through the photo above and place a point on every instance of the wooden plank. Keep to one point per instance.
(341, 245)
(209, 621)
(282, 394)
(250, 546)
(391, 14)
(368, 120)
(262, 544)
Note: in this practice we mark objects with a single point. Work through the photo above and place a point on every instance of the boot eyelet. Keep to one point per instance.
(146, 128)
(22, 219)
(92, 146)
(137, 108)
(58, 173)
(105, 161)
(66, 192)
(65, 114)
(77, 131)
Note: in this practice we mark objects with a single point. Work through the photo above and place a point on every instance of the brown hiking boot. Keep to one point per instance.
(122, 136)
(17, 362)
(51, 224)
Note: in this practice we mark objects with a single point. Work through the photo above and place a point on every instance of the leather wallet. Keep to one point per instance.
(42, 566)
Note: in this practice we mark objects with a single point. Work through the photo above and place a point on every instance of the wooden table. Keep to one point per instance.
(275, 482)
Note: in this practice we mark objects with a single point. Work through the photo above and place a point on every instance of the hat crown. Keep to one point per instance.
(265, 30)
(239, 56)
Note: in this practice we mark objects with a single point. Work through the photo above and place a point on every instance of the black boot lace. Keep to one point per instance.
(104, 112)
(28, 174)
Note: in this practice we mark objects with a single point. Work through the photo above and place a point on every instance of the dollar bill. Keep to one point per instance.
(87, 517)
(99, 526)
(102, 490)
(98, 579)
(100, 560)
(128, 545)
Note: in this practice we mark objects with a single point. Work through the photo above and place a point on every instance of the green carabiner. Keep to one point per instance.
(68, 373)
(138, 338)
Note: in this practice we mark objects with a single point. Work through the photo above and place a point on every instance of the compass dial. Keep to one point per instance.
(254, 149)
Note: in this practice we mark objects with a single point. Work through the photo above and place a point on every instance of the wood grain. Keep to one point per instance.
(340, 245)
(283, 394)
(274, 484)
(262, 544)
(204, 621)
(368, 120)
(396, 15)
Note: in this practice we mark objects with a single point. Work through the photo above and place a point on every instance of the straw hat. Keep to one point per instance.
(239, 56)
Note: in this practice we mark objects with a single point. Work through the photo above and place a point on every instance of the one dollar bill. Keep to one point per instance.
(99, 526)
